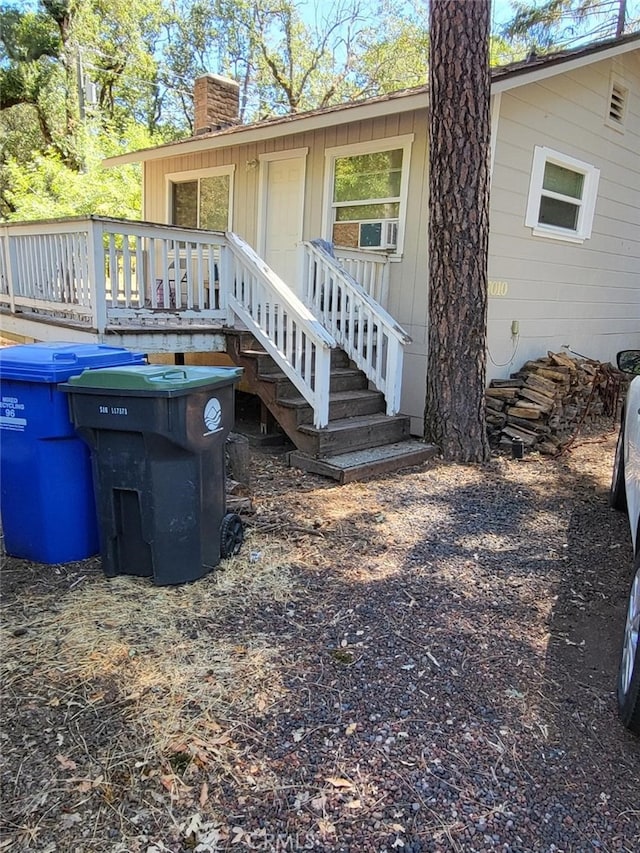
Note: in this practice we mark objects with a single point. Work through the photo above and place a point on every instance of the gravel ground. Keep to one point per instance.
(425, 662)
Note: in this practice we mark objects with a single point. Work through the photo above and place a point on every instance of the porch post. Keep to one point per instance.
(226, 260)
(323, 383)
(9, 257)
(394, 378)
(384, 285)
(302, 274)
(95, 266)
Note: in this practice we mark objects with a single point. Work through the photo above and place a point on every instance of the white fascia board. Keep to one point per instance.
(515, 79)
(245, 135)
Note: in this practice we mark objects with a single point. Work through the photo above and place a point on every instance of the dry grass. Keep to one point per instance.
(184, 715)
(156, 653)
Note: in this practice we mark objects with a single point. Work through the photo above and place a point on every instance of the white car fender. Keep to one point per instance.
(632, 459)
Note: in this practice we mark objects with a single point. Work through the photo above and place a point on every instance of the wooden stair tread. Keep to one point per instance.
(354, 423)
(278, 375)
(358, 464)
(334, 397)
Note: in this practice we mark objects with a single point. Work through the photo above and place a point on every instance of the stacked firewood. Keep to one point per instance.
(546, 400)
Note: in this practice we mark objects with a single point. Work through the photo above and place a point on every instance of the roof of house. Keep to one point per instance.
(534, 67)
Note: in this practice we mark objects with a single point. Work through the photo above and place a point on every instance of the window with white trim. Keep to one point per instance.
(562, 196)
(367, 193)
(201, 199)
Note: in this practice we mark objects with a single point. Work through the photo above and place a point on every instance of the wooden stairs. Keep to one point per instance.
(360, 440)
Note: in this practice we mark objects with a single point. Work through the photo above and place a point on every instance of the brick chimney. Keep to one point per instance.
(216, 102)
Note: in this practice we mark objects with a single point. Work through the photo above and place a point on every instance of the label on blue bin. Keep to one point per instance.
(11, 411)
(213, 416)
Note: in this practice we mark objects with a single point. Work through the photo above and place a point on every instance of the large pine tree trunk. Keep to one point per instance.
(459, 148)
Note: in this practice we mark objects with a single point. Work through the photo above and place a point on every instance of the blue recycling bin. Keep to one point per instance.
(46, 485)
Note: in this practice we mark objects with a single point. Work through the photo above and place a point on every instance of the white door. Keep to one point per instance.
(282, 212)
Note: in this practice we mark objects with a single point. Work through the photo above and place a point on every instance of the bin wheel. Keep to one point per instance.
(231, 535)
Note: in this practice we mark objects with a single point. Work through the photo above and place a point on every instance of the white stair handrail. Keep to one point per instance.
(361, 326)
(284, 326)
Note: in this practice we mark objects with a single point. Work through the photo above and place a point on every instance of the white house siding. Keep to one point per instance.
(586, 296)
(408, 277)
(583, 296)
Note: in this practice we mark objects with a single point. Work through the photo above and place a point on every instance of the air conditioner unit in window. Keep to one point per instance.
(378, 235)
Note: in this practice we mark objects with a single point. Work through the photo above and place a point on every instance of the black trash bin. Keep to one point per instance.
(157, 437)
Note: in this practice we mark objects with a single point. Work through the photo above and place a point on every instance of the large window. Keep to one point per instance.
(562, 196)
(367, 189)
(201, 199)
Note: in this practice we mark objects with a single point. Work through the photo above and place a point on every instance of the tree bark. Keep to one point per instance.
(459, 152)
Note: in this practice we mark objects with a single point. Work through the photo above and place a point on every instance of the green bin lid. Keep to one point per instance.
(154, 378)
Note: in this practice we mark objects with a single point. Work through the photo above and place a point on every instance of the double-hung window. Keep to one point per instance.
(367, 194)
(201, 199)
(562, 196)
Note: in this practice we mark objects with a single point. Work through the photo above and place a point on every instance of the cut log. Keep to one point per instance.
(562, 360)
(541, 385)
(502, 393)
(570, 413)
(545, 403)
(538, 427)
(557, 374)
(522, 409)
(554, 395)
(494, 403)
(498, 419)
(506, 383)
(534, 365)
(238, 457)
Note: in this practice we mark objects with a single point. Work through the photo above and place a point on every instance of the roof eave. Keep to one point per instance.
(288, 126)
(560, 64)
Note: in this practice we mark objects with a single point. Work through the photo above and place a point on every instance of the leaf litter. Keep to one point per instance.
(373, 651)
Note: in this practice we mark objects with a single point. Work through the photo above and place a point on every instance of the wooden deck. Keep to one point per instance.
(159, 288)
(328, 366)
(112, 280)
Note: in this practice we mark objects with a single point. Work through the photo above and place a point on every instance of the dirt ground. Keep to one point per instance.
(421, 662)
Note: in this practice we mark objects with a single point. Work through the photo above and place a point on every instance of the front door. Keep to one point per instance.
(282, 212)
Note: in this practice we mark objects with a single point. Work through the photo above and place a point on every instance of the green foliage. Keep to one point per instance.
(28, 42)
(554, 23)
(53, 142)
(397, 60)
(46, 187)
(120, 40)
(27, 36)
(503, 51)
(142, 56)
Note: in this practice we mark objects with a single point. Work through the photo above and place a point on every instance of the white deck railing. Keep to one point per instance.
(284, 326)
(361, 326)
(369, 269)
(105, 274)
(101, 272)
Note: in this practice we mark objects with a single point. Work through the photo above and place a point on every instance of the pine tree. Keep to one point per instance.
(459, 143)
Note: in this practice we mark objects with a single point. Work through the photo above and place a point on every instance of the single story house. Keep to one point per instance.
(564, 252)
(310, 232)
